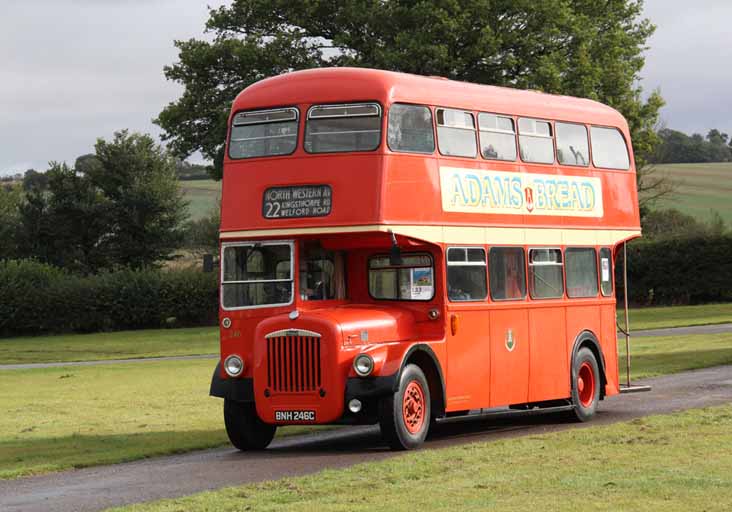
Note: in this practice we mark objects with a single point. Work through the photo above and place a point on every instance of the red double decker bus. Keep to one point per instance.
(398, 249)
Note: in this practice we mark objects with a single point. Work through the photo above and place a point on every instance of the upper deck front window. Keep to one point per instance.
(339, 128)
(256, 274)
(263, 133)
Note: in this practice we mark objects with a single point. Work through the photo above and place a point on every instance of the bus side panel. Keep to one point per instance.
(581, 318)
(609, 345)
(509, 356)
(468, 362)
(548, 368)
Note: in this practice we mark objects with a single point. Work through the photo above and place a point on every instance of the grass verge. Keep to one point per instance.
(676, 462)
(110, 345)
(662, 355)
(61, 418)
(676, 316)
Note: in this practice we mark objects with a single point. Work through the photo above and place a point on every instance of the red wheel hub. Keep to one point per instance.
(413, 407)
(586, 384)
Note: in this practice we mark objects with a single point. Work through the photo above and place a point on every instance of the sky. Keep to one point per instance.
(75, 70)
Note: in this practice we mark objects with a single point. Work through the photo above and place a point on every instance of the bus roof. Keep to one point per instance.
(333, 85)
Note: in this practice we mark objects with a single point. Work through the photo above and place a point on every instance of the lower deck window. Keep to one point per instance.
(466, 274)
(412, 279)
(508, 273)
(606, 271)
(546, 279)
(256, 275)
(581, 272)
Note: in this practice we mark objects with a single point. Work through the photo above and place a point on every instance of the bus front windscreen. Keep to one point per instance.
(256, 275)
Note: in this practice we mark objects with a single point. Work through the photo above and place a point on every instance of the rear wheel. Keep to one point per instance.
(585, 384)
(404, 417)
(244, 428)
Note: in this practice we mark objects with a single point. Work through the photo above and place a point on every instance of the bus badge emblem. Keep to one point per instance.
(510, 342)
(529, 199)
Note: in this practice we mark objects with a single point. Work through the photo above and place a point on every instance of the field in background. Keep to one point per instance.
(669, 463)
(702, 188)
(202, 195)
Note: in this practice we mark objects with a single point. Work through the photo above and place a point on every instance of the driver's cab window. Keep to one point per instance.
(322, 273)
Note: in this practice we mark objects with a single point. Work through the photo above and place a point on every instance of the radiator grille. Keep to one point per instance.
(293, 363)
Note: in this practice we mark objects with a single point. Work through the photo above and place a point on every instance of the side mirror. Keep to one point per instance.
(395, 254)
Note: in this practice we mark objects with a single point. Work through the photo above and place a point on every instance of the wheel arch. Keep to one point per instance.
(588, 339)
(425, 358)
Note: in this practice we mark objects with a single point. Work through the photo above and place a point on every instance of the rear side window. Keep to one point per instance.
(410, 129)
(608, 148)
(456, 133)
(497, 137)
(338, 128)
(546, 279)
(606, 272)
(263, 133)
(508, 275)
(466, 274)
(535, 141)
(581, 272)
(572, 145)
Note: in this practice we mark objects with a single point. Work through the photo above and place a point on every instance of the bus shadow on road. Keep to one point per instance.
(367, 439)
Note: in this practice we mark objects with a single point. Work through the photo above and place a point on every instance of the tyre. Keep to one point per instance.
(586, 384)
(244, 428)
(404, 417)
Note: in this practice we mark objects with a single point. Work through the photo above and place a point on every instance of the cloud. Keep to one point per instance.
(688, 60)
(76, 70)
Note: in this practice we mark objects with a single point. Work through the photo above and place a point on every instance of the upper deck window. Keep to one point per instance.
(256, 275)
(535, 141)
(456, 133)
(572, 146)
(410, 129)
(609, 149)
(497, 137)
(263, 133)
(339, 128)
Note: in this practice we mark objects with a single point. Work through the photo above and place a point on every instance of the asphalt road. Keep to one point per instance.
(674, 331)
(166, 477)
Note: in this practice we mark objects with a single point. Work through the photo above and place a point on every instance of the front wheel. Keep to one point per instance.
(585, 384)
(244, 428)
(404, 417)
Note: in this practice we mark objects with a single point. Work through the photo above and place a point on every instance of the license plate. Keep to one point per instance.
(294, 415)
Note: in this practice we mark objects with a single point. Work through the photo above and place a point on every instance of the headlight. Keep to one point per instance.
(363, 364)
(233, 366)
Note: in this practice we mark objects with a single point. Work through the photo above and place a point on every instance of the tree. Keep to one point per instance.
(66, 223)
(581, 48)
(118, 207)
(33, 179)
(146, 208)
(10, 200)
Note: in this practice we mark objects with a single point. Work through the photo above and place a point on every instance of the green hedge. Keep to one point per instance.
(683, 271)
(36, 298)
